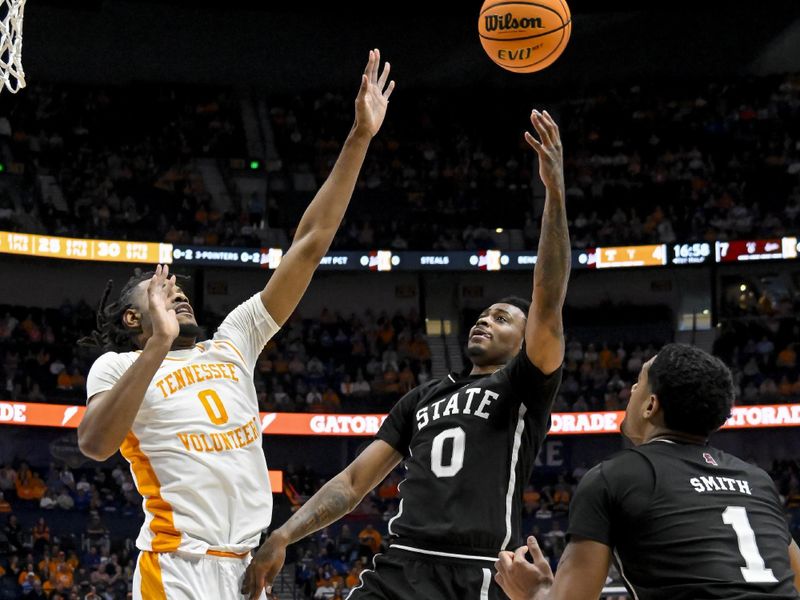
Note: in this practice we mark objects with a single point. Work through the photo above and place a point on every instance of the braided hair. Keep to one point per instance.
(110, 333)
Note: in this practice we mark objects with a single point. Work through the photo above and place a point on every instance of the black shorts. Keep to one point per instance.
(404, 575)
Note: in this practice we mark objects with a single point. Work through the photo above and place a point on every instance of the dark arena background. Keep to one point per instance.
(196, 133)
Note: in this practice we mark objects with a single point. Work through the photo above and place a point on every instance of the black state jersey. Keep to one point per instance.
(687, 522)
(470, 445)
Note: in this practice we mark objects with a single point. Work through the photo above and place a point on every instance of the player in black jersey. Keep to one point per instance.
(469, 442)
(681, 519)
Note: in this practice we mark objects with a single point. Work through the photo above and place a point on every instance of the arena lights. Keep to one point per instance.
(345, 425)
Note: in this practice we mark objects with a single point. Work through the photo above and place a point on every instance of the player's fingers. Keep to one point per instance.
(362, 89)
(384, 75)
(500, 579)
(535, 550)
(376, 65)
(552, 126)
(371, 66)
(550, 121)
(255, 586)
(538, 123)
(504, 560)
(369, 63)
(533, 142)
(247, 582)
(519, 553)
(389, 90)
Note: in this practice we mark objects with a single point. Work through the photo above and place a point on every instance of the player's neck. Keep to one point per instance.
(669, 435)
(484, 369)
(182, 343)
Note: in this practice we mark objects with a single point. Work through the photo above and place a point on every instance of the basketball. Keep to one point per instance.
(524, 36)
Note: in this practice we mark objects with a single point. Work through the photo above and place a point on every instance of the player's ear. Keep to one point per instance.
(132, 319)
(651, 406)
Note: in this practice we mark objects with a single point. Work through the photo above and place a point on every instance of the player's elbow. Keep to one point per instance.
(93, 446)
(313, 245)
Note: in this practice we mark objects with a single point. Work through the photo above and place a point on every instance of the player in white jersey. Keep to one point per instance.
(185, 414)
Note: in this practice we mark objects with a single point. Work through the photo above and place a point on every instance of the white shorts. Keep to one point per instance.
(170, 576)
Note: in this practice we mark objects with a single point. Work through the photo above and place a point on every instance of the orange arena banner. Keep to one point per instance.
(48, 246)
(310, 424)
(276, 481)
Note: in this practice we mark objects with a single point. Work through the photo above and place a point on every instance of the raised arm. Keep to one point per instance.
(333, 501)
(324, 215)
(544, 332)
(110, 414)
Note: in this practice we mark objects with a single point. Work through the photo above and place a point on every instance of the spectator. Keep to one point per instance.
(370, 540)
(40, 533)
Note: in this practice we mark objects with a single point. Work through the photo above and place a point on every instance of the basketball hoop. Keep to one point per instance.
(11, 13)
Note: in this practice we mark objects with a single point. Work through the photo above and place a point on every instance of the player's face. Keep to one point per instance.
(633, 427)
(497, 335)
(177, 301)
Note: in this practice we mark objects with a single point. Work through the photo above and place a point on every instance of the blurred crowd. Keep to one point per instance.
(325, 364)
(643, 163)
(56, 540)
(67, 534)
(365, 362)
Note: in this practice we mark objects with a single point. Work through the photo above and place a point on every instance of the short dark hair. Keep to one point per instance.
(520, 303)
(694, 389)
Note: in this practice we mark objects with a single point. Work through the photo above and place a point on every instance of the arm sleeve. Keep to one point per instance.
(248, 327)
(590, 511)
(105, 372)
(398, 427)
(534, 389)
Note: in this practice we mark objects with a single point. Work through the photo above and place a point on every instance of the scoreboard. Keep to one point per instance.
(631, 256)
(742, 250)
(378, 259)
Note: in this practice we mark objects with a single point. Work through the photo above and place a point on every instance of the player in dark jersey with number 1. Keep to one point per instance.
(681, 519)
(469, 442)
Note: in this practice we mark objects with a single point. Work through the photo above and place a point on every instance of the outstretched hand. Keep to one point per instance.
(520, 579)
(551, 159)
(263, 569)
(165, 323)
(373, 95)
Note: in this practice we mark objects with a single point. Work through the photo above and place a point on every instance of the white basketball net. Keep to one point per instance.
(11, 12)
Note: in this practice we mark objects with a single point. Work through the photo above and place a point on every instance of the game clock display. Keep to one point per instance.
(690, 254)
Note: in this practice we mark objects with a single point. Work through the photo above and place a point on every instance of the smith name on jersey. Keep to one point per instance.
(686, 522)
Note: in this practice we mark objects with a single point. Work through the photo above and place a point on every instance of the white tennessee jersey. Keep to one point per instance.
(195, 445)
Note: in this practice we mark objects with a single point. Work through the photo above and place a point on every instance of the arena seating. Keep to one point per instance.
(630, 176)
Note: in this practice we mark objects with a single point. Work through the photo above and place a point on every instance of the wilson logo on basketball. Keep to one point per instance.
(509, 21)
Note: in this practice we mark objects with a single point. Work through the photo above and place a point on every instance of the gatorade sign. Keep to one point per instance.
(581, 423)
